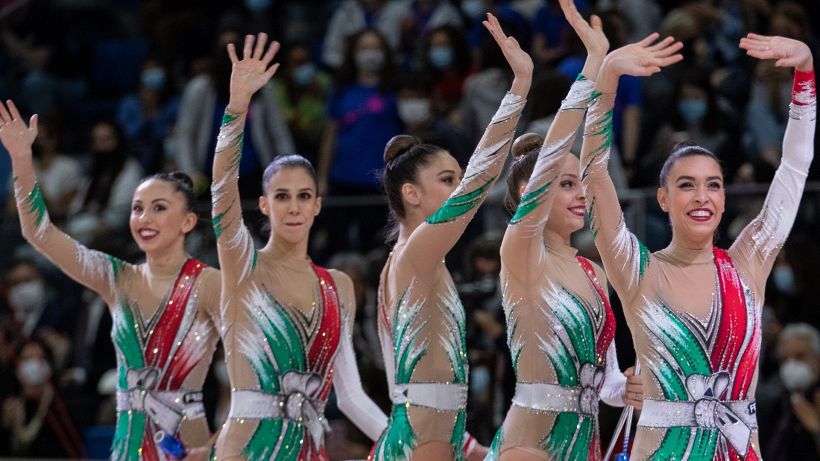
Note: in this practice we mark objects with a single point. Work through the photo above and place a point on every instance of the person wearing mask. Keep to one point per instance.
(446, 60)
(790, 404)
(32, 304)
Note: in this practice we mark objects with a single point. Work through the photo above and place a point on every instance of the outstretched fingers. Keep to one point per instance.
(15, 114)
(649, 39)
(261, 41)
(5, 117)
(232, 53)
(247, 52)
(272, 50)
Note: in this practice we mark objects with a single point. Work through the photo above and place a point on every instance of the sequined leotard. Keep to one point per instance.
(559, 323)
(421, 317)
(165, 332)
(695, 314)
(287, 336)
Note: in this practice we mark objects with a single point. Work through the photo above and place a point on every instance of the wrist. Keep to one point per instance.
(806, 65)
(521, 86)
(238, 105)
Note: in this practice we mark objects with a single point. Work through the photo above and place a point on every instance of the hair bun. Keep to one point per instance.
(399, 145)
(183, 179)
(527, 143)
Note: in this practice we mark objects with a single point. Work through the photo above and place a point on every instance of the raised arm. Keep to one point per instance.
(431, 241)
(352, 400)
(762, 239)
(93, 269)
(625, 258)
(523, 243)
(237, 256)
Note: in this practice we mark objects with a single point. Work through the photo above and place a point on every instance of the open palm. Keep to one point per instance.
(644, 58)
(786, 51)
(16, 137)
(519, 61)
(591, 33)
(253, 71)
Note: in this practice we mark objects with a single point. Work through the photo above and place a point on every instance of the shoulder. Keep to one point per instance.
(343, 281)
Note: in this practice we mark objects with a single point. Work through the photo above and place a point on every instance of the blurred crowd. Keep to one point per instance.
(127, 88)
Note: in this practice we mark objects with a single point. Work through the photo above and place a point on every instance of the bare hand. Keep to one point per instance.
(253, 71)
(807, 413)
(16, 137)
(591, 33)
(519, 61)
(643, 59)
(786, 51)
(633, 395)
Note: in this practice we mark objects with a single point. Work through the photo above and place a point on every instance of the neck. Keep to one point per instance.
(281, 249)
(368, 78)
(681, 243)
(552, 236)
(166, 262)
(407, 226)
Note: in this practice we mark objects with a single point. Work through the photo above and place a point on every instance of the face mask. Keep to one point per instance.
(221, 373)
(27, 297)
(692, 109)
(473, 9)
(153, 78)
(33, 371)
(303, 75)
(783, 279)
(257, 5)
(370, 60)
(441, 56)
(796, 375)
(480, 379)
(412, 111)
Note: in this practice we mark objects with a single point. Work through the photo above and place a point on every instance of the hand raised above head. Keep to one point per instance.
(16, 137)
(786, 52)
(591, 33)
(519, 61)
(254, 70)
(644, 58)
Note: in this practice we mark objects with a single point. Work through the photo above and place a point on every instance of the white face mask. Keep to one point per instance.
(370, 60)
(796, 375)
(27, 297)
(412, 111)
(33, 372)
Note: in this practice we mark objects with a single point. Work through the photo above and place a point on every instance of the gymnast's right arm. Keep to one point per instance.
(93, 269)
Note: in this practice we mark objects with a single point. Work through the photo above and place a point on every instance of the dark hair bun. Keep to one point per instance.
(526, 143)
(399, 145)
(182, 179)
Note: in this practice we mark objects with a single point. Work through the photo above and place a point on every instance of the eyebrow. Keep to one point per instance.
(691, 178)
(447, 172)
(304, 189)
(570, 175)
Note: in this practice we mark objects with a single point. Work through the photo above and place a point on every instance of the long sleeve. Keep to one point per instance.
(237, 256)
(625, 258)
(93, 269)
(761, 240)
(347, 383)
(431, 241)
(522, 250)
(612, 392)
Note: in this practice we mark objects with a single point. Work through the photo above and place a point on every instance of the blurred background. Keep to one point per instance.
(127, 88)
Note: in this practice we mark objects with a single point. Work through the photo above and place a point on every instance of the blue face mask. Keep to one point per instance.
(153, 78)
(257, 5)
(441, 57)
(692, 109)
(303, 75)
(783, 279)
(473, 9)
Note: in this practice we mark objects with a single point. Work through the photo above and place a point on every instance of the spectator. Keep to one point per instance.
(354, 16)
(789, 406)
(200, 116)
(302, 93)
(551, 31)
(362, 117)
(39, 425)
(148, 116)
(100, 213)
(33, 305)
(446, 59)
(415, 105)
(420, 17)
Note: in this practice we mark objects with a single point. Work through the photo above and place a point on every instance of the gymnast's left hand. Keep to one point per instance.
(16, 137)
(252, 72)
(633, 394)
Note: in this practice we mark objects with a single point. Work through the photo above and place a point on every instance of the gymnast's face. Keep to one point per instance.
(694, 198)
(568, 206)
(435, 182)
(291, 204)
(160, 216)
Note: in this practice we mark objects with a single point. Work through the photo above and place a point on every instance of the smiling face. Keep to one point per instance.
(694, 198)
(435, 182)
(568, 206)
(291, 204)
(160, 216)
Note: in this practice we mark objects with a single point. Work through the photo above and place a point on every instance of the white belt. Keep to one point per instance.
(439, 396)
(734, 419)
(165, 408)
(553, 397)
